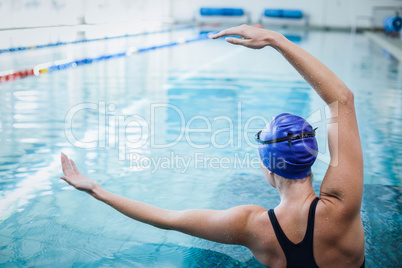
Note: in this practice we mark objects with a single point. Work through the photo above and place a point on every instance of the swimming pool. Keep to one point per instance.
(122, 121)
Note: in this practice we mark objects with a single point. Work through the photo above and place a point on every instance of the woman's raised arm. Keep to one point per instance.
(343, 182)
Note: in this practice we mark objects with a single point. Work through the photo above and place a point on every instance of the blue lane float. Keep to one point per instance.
(283, 13)
(392, 24)
(210, 11)
(128, 52)
(16, 49)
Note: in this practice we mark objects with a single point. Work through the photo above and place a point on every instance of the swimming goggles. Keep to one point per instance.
(288, 138)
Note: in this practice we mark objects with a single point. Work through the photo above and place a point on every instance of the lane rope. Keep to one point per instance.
(16, 49)
(68, 63)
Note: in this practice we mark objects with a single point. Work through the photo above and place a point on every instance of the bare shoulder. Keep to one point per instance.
(264, 244)
(333, 220)
(255, 216)
(338, 237)
(340, 202)
(330, 207)
(254, 209)
(253, 213)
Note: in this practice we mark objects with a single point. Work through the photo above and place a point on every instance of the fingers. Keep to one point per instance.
(237, 41)
(241, 31)
(74, 167)
(66, 179)
(66, 166)
(230, 31)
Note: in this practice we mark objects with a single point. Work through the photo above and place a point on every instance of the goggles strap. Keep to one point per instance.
(288, 138)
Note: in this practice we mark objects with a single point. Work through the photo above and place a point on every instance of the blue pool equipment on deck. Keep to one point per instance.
(392, 24)
(210, 11)
(221, 14)
(284, 17)
(283, 13)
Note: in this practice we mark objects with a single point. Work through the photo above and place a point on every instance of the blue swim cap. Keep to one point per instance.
(288, 146)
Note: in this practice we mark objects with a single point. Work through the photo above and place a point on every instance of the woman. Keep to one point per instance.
(303, 230)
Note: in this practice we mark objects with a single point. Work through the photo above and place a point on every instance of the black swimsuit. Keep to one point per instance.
(301, 254)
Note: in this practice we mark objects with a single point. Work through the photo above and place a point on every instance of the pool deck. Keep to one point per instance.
(392, 45)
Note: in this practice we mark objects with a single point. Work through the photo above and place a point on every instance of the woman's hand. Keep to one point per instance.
(253, 37)
(73, 177)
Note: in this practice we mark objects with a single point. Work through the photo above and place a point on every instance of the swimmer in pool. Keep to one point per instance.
(303, 230)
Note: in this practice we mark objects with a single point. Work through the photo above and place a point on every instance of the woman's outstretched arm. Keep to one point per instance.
(343, 182)
(224, 226)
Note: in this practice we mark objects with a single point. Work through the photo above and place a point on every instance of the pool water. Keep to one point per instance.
(174, 127)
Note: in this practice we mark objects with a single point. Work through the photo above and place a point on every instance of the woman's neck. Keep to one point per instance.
(294, 193)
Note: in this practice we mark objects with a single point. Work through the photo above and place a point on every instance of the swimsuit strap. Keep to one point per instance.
(301, 254)
(310, 223)
(364, 263)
